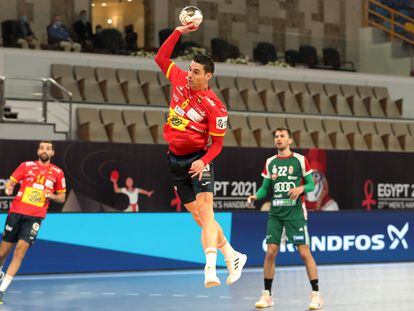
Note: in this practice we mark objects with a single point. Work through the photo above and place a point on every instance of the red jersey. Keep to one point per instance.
(34, 179)
(193, 115)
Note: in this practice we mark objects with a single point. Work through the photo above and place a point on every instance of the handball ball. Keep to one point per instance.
(191, 14)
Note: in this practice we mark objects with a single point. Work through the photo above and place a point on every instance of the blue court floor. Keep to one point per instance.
(385, 287)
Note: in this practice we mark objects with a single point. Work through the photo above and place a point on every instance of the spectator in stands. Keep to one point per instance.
(83, 30)
(131, 38)
(98, 29)
(25, 35)
(58, 34)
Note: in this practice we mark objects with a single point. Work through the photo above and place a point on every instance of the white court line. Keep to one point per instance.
(15, 291)
(108, 293)
(179, 295)
(37, 292)
(155, 295)
(249, 298)
(85, 293)
(196, 272)
(225, 297)
(62, 293)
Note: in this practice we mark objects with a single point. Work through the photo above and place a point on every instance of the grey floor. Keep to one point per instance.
(344, 288)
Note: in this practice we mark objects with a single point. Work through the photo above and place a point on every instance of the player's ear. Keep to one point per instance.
(209, 75)
(290, 140)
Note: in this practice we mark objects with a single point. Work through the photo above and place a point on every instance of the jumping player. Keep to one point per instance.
(195, 115)
(288, 176)
(40, 181)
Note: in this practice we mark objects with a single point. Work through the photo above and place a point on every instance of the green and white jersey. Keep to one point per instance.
(286, 173)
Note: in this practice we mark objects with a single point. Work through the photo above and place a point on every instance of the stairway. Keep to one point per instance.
(379, 55)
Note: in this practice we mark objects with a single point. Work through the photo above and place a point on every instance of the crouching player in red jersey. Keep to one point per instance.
(195, 115)
(40, 181)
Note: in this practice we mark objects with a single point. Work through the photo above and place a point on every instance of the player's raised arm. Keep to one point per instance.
(164, 53)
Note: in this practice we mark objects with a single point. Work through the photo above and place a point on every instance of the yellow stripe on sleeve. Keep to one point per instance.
(169, 69)
(217, 134)
(13, 179)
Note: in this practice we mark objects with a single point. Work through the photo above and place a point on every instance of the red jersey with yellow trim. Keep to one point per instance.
(193, 115)
(34, 179)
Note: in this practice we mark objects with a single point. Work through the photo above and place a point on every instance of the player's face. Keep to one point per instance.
(129, 182)
(197, 76)
(282, 140)
(45, 152)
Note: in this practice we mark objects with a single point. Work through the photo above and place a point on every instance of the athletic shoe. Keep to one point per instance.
(210, 277)
(1, 297)
(316, 301)
(265, 300)
(235, 267)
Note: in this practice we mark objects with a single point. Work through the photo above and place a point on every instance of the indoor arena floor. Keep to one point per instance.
(344, 288)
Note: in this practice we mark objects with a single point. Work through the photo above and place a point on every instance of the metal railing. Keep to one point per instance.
(46, 84)
(388, 22)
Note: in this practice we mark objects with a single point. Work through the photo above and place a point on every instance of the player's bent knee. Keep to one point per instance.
(197, 219)
(305, 254)
(271, 251)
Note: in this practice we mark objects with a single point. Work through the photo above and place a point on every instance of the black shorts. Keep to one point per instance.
(186, 186)
(21, 227)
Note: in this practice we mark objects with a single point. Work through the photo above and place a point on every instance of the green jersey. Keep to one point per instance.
(286, 173)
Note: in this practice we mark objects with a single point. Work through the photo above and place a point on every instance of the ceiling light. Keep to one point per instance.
(109, 21)
(104, 4)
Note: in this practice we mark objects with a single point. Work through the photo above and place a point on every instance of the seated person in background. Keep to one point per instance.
(58, 34)
(25, 35)
(131, 39)
(98, 29)
(83, 30)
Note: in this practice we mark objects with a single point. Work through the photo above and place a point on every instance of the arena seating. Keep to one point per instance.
(323, 115)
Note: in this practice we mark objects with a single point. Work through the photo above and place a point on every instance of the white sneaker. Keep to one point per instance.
(210, 277)
(265, 300)
(316, 301)
(235, 267)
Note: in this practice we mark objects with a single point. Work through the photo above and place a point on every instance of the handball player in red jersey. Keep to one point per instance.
(196, 115)
(40, 181)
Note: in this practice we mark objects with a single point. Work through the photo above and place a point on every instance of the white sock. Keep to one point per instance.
(1, 268)
(211, 257)
(6, 282)
(227, 251)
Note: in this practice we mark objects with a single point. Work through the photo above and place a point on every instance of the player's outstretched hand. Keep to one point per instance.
(187, 28)
(150, 193)
(250, 201)
(9, 190)
(294, 193)
(197, 168)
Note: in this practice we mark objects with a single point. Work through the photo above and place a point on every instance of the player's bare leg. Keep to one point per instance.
(269, 265)
(198, 210)
(18, 255)
(5, 249)
(312, 271)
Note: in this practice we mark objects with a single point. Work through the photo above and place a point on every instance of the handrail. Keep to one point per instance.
(368, 12)
(46, 82)
(392, 10)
